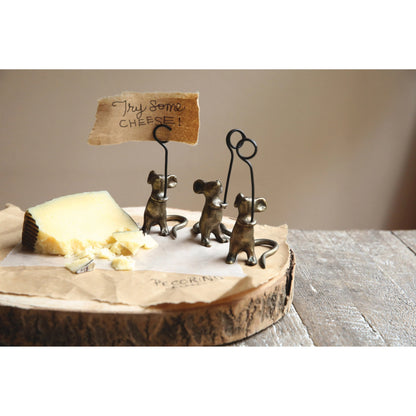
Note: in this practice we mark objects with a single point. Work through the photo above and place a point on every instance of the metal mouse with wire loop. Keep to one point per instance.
(155, 211)
(212, 213)
(211, 217)
(231, 148)
(242, 235)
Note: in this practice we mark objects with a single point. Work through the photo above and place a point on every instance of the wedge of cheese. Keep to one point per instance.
(72, 224)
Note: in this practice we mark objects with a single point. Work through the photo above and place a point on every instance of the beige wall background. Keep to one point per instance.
(336, 149)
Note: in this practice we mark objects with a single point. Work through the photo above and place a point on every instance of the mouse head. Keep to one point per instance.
(244, 205)
(209, 189)
(158, 181)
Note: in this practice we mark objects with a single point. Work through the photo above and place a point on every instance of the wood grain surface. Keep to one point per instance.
(352, 288)
(408, 237)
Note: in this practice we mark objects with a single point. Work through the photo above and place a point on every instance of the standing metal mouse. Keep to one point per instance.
(211, 217)
(155, 211)
(242, 236)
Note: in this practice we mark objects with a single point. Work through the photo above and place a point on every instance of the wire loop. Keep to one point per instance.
(162, 143)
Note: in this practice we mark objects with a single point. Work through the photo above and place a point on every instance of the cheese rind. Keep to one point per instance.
(71, 224)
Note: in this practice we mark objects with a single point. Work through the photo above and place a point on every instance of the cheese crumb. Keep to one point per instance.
(149, 242)
(119, 250)
(89, 252)
(85, 264)
(131, 240)
(122, 263)
(104, 253)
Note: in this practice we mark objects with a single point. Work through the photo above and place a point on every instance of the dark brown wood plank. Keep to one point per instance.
(288, 332)
(342, 294)
(408, 237)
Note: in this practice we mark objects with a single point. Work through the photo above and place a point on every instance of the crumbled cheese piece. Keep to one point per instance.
(131, 240)
(104, 253)
(89, 252)
(122, 263)
(82, 265)
(119, 250)
(149, 242)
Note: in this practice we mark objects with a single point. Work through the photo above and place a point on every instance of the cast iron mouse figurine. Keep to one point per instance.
(211, 217)
(155, 211)
(242, 236)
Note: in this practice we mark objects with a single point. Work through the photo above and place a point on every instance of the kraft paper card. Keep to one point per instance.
(132, 116)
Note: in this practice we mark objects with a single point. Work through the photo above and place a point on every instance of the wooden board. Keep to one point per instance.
(43, 321)
(408, 237)
(355, 288)
(287, 332)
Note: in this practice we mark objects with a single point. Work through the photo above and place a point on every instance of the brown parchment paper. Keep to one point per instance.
(139, 288)
(132, 116)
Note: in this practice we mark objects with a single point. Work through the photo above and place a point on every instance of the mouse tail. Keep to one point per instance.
(225, 230)
(265, 242)
(196, 229)
(182, 223)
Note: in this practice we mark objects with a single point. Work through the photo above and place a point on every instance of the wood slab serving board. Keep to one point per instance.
(39, 319)
(42, 321)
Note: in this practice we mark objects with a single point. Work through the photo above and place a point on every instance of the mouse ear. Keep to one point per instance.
(172, 181)
(260, 204)
(238, 199)
(198, 186)
(152, 176)
(219, 186)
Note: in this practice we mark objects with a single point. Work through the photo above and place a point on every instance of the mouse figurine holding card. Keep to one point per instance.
(242, 237)
(155, 211)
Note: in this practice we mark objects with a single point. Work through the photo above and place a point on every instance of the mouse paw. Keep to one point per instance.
(251, 261)
(164, 232)
(205, 242)
(231, 258)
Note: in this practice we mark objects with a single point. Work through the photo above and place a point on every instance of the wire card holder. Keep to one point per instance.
(155, 211)
(242, 235)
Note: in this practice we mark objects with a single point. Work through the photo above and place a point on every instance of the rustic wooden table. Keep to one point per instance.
(352, 288)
